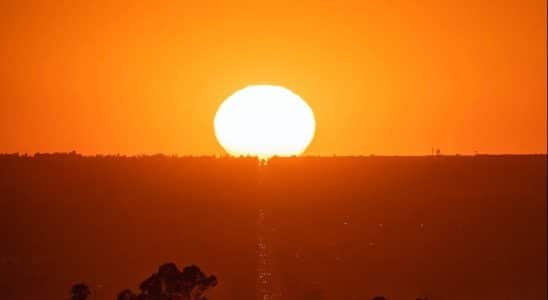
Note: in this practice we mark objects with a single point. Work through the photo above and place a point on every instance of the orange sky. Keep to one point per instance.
(383, 77)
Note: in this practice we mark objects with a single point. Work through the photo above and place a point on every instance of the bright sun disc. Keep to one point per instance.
(264, 121)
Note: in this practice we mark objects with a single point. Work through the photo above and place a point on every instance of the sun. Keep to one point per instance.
(264, 121)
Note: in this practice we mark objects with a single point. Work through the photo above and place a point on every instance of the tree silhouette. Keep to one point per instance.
(171, 284)
(79, 291)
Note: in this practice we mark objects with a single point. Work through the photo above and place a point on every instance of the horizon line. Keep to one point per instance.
(225, 156)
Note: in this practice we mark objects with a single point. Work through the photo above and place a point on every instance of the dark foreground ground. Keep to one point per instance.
(339, 228)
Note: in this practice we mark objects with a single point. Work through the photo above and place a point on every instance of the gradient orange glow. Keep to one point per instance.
(383, 77)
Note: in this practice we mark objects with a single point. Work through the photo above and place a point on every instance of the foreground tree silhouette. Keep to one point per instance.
(79, 291)
(171, 284)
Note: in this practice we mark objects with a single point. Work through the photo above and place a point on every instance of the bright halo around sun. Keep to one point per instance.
(264, 121)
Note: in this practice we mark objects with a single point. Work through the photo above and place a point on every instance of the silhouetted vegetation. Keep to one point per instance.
(171, 284)
(79, 291)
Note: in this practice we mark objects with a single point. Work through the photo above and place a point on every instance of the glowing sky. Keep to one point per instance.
(383, 77)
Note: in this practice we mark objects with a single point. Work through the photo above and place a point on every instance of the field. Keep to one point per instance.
(446, 227)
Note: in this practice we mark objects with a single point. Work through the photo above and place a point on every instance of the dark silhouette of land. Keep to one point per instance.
(341, 227)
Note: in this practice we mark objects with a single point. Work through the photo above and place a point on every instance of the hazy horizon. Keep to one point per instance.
(225, 155)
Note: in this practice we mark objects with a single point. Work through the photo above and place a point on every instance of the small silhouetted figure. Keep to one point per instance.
(170, 283)
(379, 298)
(79, 291)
